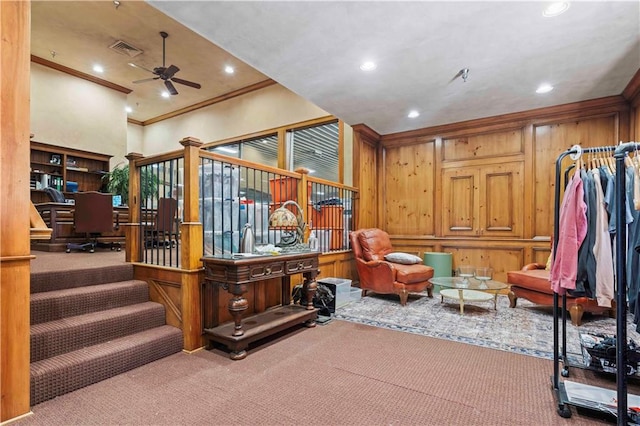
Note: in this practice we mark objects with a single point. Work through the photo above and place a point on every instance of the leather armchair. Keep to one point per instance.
(370, 246)
(532, 283)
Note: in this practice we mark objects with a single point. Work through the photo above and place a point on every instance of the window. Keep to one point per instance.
(315, 148)
(262, 150)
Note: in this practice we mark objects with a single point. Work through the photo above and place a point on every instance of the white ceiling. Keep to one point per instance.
(80, 32)
(314, 48)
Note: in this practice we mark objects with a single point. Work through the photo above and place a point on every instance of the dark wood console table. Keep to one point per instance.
(234, 274)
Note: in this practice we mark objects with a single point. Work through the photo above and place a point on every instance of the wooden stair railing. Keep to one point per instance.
(39, 229)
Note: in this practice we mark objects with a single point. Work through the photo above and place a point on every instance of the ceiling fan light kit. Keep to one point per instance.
(167, 74)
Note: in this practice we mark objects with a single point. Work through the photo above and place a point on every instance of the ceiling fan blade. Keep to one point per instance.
(170, 87)
(141, 67)
(144, 80)
(186, 83)
(169, 72)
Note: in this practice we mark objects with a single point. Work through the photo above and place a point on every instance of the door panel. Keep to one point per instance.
(459, 189)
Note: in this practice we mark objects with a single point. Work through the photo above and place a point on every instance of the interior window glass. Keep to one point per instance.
(315, 148)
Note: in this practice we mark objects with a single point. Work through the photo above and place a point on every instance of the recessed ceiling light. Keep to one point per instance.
(128, 109)
(413, 114)
(166, 94)
(227, 150)
(555, 9)
(229, 69)
(98, 68)
(368, 66)
(544, 88)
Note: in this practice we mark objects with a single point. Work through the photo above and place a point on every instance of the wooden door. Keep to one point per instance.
(460, 201)
(501, 196)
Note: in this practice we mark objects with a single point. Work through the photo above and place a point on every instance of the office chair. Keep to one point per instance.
(93, 215)
(55, 195)
(165, 224)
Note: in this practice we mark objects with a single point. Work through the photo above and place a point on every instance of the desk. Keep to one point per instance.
(235, 274)
(59, 218)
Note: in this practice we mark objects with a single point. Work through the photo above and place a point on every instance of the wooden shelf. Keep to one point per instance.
(82, 167)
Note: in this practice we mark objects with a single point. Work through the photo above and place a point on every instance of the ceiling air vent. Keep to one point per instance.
(125, 48)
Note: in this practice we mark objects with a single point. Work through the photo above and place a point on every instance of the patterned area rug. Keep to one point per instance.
(526, 329)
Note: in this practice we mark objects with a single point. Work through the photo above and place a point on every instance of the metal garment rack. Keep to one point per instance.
(620, 152)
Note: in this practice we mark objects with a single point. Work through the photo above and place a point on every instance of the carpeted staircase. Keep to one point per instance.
(91, 324)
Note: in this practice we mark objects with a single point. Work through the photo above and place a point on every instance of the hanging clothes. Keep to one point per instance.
(586, 275)
(602, 249)
(572, 229)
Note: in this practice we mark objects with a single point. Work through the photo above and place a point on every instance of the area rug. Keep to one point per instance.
(526, 329)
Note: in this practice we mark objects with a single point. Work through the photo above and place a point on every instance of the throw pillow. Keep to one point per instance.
(404, 258)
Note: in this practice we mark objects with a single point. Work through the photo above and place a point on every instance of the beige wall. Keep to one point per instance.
(271, 107)
(135, 134)
(76, 113)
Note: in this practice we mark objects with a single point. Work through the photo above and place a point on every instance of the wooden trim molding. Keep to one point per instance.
(212, 101)
(367, 134)
(632, 91)
(78, 74)
(511, 120)
(137, 122)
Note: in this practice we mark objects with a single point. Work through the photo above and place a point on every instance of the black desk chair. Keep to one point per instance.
(55, 195)
(93, 215)
(164, 231)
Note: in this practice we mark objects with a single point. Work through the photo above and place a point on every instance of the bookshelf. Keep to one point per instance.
(66, 169)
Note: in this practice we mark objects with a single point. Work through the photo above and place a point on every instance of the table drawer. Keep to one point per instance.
(301, 265)
(275, 269)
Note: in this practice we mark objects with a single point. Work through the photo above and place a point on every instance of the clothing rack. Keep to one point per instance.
(619, 153)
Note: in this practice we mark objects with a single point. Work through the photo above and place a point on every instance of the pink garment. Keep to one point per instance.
(602, 250)
(571, 232)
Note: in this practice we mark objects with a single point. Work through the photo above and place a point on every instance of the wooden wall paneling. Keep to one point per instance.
(15, 256)
(529, 205)
(365, 155)
(540, 255)
(483, 145)
(409, 183)
(550, 140)
(164, 287)
(501, 259)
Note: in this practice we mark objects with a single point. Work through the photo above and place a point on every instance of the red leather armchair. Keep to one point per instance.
(380, 276)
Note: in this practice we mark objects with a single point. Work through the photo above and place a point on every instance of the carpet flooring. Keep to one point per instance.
(341, 373)
(526, 329)
(424, 366)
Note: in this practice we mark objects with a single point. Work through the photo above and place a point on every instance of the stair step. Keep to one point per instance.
(60, 280)
(55, 305)
(53, 338)
(73, 370)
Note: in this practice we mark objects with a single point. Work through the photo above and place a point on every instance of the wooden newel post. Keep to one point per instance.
(191, 250)
(132, 229)
(303, 199)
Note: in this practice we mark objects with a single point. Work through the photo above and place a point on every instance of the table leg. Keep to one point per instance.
(461, 294)
(237, 305)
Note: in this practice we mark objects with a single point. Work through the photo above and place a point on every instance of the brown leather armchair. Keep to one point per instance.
(370, 246)
(532, 283)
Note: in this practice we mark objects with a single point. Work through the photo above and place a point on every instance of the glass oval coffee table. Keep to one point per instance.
(468, 290)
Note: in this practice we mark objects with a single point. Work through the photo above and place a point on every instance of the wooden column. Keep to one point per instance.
(191, 250)
(132, 230)
(15, 256)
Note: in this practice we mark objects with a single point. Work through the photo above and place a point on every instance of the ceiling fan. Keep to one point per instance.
(166, 73)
